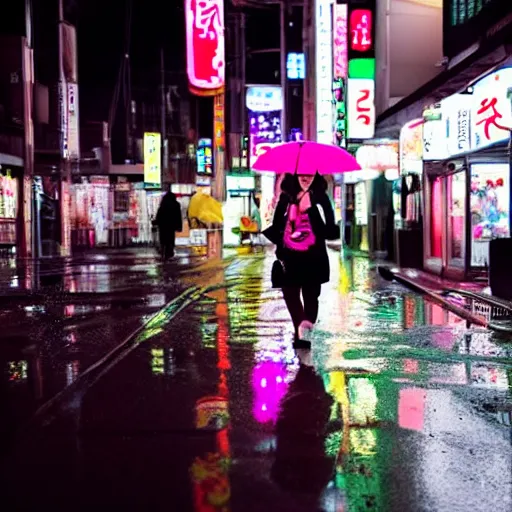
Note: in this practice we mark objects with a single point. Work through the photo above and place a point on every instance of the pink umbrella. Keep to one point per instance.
(306, 157)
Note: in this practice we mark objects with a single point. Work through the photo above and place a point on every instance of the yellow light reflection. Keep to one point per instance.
(363, 441)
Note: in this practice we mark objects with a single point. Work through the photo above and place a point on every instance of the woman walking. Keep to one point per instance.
(299, 232)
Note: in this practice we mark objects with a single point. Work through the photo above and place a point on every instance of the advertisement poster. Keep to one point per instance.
(152, 160)
(204, 157)
(491, 113)
(411, 147)
(267, 200)
(265, 105)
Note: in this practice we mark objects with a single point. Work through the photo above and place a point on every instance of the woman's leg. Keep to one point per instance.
(310, 295)
(294, 304)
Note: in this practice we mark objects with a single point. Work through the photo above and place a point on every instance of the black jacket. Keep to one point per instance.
(312, 266)
(168, 217)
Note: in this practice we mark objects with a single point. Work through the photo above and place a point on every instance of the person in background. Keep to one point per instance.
(169, 221)
(299, 232)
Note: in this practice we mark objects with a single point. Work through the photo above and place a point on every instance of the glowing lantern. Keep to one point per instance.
(205, 46)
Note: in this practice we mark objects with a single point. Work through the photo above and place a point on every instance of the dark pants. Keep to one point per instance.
(305, 309)
(167, 243)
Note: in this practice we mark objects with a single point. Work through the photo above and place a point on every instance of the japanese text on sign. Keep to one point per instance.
(324, 106)
(205, 46)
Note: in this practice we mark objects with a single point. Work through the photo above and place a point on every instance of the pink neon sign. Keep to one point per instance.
(205, 46)
(361, 30)
(340, 48)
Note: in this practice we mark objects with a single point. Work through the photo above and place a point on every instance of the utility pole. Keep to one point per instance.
(163, 127)
(26, 232)
(282, 16)
(65, 178)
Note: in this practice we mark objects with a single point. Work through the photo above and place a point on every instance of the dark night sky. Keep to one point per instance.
(100, 30)
(101, 39)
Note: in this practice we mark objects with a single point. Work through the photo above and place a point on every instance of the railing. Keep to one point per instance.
(496, 312)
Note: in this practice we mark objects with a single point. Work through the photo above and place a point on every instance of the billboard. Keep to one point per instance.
(205, 46)
(152, 160)
(264, 104)
(361, 69)
(491, 113)
(324, 71)
(204, 157)
(340, 53)
(68, 92)
(361, 108)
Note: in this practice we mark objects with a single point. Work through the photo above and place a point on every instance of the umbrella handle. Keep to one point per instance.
(301, 144)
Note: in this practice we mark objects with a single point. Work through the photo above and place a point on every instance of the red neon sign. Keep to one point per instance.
(361, 21)
(205, 46)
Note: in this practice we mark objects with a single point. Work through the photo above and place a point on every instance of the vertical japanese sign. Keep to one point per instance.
(491, 116)
(324, 65)
(340, 51)
(361, 108)
(218, 145)
(264, 104)
(152, 160)
(205, 46)
(68, 92)
(361, 69)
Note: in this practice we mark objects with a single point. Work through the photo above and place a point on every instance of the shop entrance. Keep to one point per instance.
(446, 236)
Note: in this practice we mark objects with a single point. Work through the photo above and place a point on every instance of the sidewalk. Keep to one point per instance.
(85, 274)
(424, 281)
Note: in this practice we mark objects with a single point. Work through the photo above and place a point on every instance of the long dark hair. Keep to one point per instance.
(291, 186)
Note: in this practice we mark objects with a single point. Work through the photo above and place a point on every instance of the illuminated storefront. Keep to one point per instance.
(9, 208)
(467, 176)
(369, 197)
(241, 213)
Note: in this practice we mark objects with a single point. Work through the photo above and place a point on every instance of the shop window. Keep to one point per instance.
(456, 216)
(490, 209)
(436, 220)
(121, 201)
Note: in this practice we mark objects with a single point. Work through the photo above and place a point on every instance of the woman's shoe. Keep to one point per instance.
(306, 331)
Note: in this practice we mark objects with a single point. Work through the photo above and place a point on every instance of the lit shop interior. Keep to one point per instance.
(467, 177)
(9, 206)
(408, 197)
(369, 199)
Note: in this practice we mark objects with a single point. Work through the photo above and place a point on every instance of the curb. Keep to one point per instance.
(437, 297)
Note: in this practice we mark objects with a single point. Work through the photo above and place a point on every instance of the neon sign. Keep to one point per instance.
(204, 157)
(324, 106)
(361, 30)
(340, 41)
(361, 108)
(205, 46)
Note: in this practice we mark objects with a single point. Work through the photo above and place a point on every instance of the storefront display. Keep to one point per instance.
(9, 197)
(239, 205)
(490, 209)
(465, 151)
(457, 217)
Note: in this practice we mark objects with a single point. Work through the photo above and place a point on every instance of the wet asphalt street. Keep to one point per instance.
(400, 406)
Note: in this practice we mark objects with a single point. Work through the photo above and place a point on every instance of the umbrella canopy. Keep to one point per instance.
(306, 157)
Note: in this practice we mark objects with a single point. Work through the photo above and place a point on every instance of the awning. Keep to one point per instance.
(6, 159)
(442, 86)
